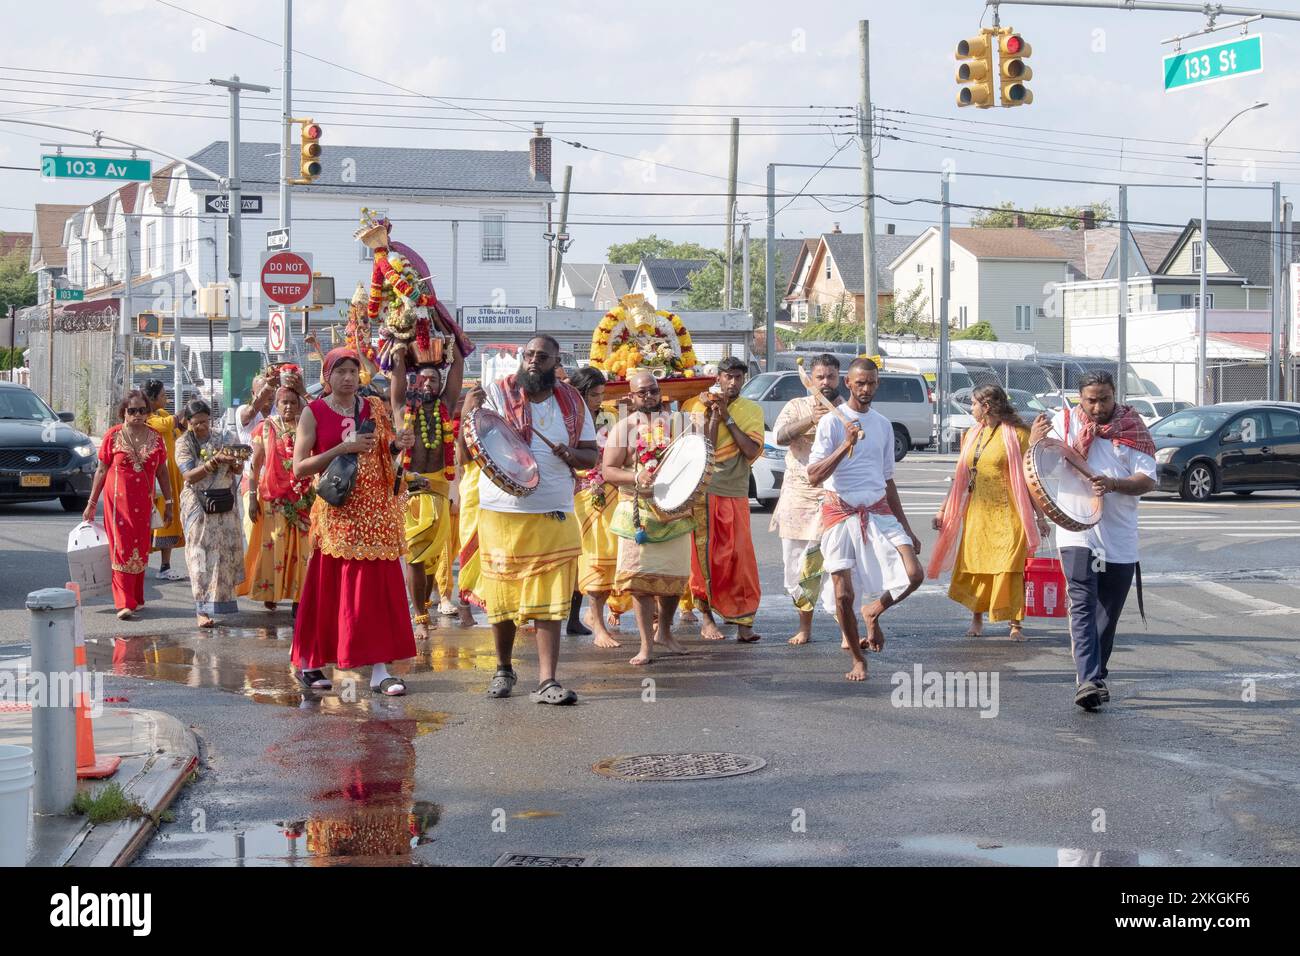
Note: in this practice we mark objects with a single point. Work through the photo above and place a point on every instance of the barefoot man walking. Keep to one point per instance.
(654, 571)
(867, 545)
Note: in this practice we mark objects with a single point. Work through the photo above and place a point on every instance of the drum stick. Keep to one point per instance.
(817, 394)
(553, 447)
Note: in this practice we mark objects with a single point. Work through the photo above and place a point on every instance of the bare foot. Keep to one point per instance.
(688, 617)
(670, 644)
(421, 631)
(642, 658)
(859, 671)
(709, 631)
(801, 638)
(1017, 631)
(862, 644)
(466, 618)
(602, 637)
(205, 621)
(974, 631)
(746, 635)
(875, 634)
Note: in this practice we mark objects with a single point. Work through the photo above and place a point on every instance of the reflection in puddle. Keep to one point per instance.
(1020, 854)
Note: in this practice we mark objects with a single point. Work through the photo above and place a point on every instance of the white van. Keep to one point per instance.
(958, 376)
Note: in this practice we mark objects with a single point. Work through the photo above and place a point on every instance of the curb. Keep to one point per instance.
(174, 753)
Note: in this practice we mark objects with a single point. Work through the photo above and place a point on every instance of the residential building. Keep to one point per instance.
(1006, 277)
(614, 282)
(827, 273)
(577, 286)
(666, 282)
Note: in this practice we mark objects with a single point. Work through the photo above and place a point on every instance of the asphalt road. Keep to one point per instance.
(1179, 769)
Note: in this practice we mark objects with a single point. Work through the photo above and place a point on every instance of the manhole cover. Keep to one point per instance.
(700, 766)
(527, 859)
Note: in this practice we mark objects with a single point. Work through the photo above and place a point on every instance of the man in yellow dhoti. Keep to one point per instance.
(428, 515)
(528, 547)
(655, 569)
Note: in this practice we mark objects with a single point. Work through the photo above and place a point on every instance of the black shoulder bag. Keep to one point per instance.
(213, 501)
(340, 475)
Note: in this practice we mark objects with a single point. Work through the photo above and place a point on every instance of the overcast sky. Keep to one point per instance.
(789, 70)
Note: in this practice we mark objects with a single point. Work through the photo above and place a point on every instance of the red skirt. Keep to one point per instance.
(352, 613)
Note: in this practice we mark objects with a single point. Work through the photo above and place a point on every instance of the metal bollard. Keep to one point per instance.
(54, 719)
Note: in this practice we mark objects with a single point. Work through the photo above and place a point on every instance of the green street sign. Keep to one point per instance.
(1208, 64)
(69, 295)
(96, 167)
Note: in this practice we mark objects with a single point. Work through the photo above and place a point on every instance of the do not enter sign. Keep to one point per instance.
(286, 277)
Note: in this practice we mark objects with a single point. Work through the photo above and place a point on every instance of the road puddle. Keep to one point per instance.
(1021, 854)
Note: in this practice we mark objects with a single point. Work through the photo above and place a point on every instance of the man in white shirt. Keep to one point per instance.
(529, 547)
(1100, 563)
(867, 545)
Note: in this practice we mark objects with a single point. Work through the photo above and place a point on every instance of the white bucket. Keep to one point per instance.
(17, 778)
(89, 562)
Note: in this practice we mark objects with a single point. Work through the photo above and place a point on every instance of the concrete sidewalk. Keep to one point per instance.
(158, 755)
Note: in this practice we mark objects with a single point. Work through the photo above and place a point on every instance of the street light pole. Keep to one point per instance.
(1202, 364)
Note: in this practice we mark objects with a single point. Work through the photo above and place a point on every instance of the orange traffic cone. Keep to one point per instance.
(89, 767)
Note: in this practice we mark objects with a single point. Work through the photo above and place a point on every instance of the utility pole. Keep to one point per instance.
(1122, 379)
(234, 245)
(744, 268)
(945, 288)
(286, 117)
(868, 190)
(1288, 344)
(769, 268)
(730, 242)
(128, 307)
(560, 238)
(1275, 302)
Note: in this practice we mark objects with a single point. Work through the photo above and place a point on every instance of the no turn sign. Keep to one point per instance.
(275, 331)
(286, 277)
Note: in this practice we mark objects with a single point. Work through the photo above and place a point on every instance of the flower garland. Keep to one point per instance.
(444, 429)
(296, 510)
(651, 445)
(624, 345)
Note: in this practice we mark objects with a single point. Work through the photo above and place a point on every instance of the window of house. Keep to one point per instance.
(1196, 255)
(151, 250)
(828, 267)
(645, 283)
(494, 237)
(920, 267)
(1193, 301)
(1024, 318)
(963, 318)
(185, 239)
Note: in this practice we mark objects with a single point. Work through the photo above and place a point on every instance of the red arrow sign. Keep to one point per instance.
(286, 278)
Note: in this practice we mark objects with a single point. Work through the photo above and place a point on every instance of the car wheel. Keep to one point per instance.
(902, 442)
(1244, 494)
(1198, 483)
(74, 504)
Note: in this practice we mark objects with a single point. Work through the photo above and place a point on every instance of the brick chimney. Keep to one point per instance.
(835, 229)
(1020, 221)
(539, 155)
(1089, 219)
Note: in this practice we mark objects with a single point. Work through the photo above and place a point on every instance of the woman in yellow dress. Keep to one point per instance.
(988, 524)
(170, 535)
(593, 506)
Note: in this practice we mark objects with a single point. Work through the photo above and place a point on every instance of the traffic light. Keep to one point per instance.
(1013, 51)
(976, 70)
(310, 133)
(148, 323)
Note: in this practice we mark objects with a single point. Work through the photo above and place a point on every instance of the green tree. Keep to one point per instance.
(652, 247)
(908, 315)
(980, 331)
(1041, 217)
(705, 293)
(17, 285)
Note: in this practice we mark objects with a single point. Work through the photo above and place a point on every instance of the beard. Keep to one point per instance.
(534, 382)
(830, 394)
(658, 406)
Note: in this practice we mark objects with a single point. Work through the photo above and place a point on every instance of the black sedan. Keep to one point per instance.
(1234, 446)
(41, 457)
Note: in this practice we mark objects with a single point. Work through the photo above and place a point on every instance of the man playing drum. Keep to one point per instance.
(654, 570)
(428, 515)
(797, 517)
(724, 568)
(528, 547)
(867, 546)
(1100, 563)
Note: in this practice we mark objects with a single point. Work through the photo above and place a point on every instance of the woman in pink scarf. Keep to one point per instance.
(988, 525)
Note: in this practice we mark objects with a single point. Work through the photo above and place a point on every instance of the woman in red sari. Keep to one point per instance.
(130, 457)
(353, 609)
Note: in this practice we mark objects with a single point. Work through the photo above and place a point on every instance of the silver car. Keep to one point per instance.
(902, 398)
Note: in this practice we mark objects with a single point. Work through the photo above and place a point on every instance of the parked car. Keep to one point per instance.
(958, 377)
(767, 473)
(1027, 406)
(163, 369)
(1154, 409)
(41, 456)
(960, 420)
(1240, 447)
(902, 398)
(1017, 373)
(1066, 370)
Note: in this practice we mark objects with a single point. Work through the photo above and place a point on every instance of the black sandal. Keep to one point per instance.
(387, 682)
(314, 680)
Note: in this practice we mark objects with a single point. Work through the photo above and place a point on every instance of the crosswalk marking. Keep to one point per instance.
(1257, 607)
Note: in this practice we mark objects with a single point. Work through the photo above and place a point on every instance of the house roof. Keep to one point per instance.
(582, 277)
(47, 237)
(1090, 253)
(1245, 245)
(1007, 243)
(787, 255)
(100, 209)
(671, 275)
(11, 242)
(484, 174)
(161, 182)
(621, 276)
(846, 249)
(127, 196)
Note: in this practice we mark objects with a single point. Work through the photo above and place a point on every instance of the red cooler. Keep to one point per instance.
(1044, 588)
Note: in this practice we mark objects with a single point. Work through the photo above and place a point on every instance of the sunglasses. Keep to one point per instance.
(137, 411)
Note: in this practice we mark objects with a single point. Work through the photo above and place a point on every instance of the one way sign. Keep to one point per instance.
(277, 239)
(218, 203)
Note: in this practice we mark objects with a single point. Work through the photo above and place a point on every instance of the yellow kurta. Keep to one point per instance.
(172, 535)
(988, 575)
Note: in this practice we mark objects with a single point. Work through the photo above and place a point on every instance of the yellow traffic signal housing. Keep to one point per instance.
(309, 132)
(1013, 71)
(975, 72)
(148, 323)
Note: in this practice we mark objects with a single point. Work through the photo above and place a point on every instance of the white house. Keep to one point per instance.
(1005, 277)
(577, 287)
(666, 282)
